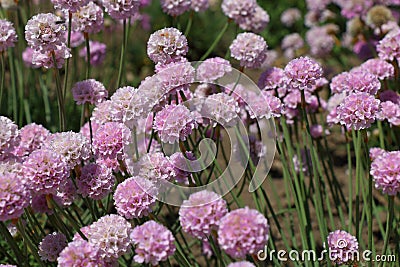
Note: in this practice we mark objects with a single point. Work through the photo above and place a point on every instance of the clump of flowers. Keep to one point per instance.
(32, 137)
(201, 213)
(51, 246)
(379, 68)
(390, 111)
(199, 5)
(385, 170)
(250, 49)
(88, 19)
(154, 243)
(156, 168)
(95, 181)
(8, 135)
(212, 69)
(358, 111)
(70, 5)
(51, 59)
(342, 246)
(97, 53)
(174, 123)
(271, 79)
(243, 231)
(89, 91)
(111, 233)
(8, 36)
(134, 197)
(256, 22)
(238, 10)
(167, 45)
(14, 196)
(290, 16)
(389, 47)
(120, 102)
(221, 108)
(81, 253)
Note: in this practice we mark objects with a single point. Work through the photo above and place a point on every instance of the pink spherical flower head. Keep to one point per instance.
(167, 45)
(32, 137)
(376, 152)
(154, 243)
(174, 123)
(257, 22)
(243, 231)
(271, 79)
(390, 111)
(175, 76)
(110, 139)
(385, 170)
(379, 68)
(14, 196)
(73, 147)
(111, 233)
(97, 53)
(120, 102)
(201, 213)
(358, 111)
(45, 170)
(250, 49)
(342, 246)
(8, 135)
(44, 58)
(156, 168)
(95, 181)
(121, 9)
(77, 39)
(221, 108)
(175, 7)
(212, 69)
(320, 41)
(389, 47)
(44, 32)
(8, 36)
(89, 91)
(27, 57)
(51, 246)
(81, 253)
(354, 8)
(70, 5)
(290, 16)
(302, 73)
(238, 9)
(134, 197)
(88, 19)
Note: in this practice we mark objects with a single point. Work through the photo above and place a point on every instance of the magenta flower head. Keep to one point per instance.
(175, 7)
(73, 147)
(81, 253)
(14, 196)
(250, 49)
(257, 22)
(341, 246)
(271, 79)
(156, 168)
(110, 139)
(385, 170)
(199, 5)
(8, 36)
(32, 137)
(132, 197)
(174, 123)
(111, 233)
(89, 91)
(302, 73)
(44, 32)
(95, 181)
(8, 135)
(120, 102)
(45, 170)
(358, 111)
(353, 8)
(379, 68)
(238, 10)
(121, 9)
(390, 111)
(375, 152)
(43, 58)
(154, 243)
(201, 213)
(241, 264)
(51, 245)
(70, 5)
(389, 47)
(212, 69)
(88, 19)
(243, 231)
(167, 45)
(97, 53)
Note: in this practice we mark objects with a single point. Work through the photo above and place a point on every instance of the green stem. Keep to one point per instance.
(389, 223)
(216, 41)
(13, 244)
(67, 60)
(60, 98)
(87, 55)
(122, 58)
